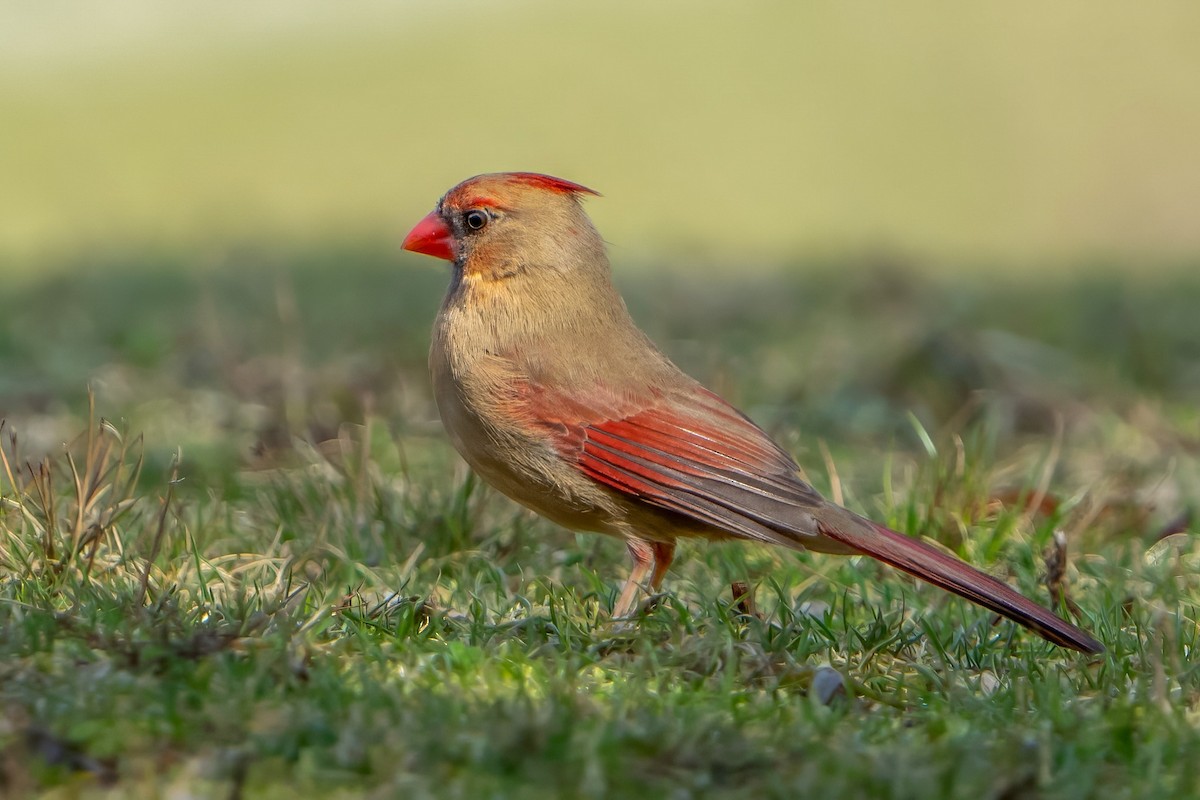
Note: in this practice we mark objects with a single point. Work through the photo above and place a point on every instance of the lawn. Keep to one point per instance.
(256, 568)
(946, 255)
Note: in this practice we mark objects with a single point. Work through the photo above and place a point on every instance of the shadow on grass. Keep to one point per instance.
(272, 344)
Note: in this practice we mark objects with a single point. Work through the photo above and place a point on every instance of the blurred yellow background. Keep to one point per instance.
(722, 132)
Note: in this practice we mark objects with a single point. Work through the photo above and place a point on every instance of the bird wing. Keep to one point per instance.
(690, 453)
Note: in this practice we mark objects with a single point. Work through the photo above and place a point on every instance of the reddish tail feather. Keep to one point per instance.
(949, 573)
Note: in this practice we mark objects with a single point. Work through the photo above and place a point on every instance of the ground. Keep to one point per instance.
(258, 569)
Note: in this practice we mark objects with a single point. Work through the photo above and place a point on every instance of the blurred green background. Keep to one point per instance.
(892, 207)
(732, 133)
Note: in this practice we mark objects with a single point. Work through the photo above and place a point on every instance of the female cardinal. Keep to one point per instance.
(554, 396)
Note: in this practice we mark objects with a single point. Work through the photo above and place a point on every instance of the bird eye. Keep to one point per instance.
(475, 219)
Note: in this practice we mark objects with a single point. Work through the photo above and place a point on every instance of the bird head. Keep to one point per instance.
(504, 223)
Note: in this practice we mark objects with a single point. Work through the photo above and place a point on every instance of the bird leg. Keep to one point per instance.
(643, 553)
(664, 552)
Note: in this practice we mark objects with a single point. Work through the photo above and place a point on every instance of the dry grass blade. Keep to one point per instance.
(40, 480)
(104, 461)
(159, 533)
(69, 505)
(743, 599)
(1056, 575)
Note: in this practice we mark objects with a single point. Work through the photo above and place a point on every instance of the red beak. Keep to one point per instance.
(432, 237)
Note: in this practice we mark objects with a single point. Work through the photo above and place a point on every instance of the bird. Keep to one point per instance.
(555, 397)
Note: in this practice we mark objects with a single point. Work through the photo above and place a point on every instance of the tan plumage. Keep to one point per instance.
(554, 396)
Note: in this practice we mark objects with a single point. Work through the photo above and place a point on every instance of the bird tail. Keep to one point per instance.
(947, 572)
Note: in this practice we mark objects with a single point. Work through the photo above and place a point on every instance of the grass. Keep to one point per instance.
(256, 568)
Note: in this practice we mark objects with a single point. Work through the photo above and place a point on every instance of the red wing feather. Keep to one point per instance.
(702, 459)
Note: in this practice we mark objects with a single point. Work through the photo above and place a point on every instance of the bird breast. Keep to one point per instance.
(473, 387)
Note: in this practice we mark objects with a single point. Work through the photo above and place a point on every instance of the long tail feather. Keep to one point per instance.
(949, 573)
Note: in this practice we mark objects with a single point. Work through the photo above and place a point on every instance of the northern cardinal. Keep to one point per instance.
(555, 397)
